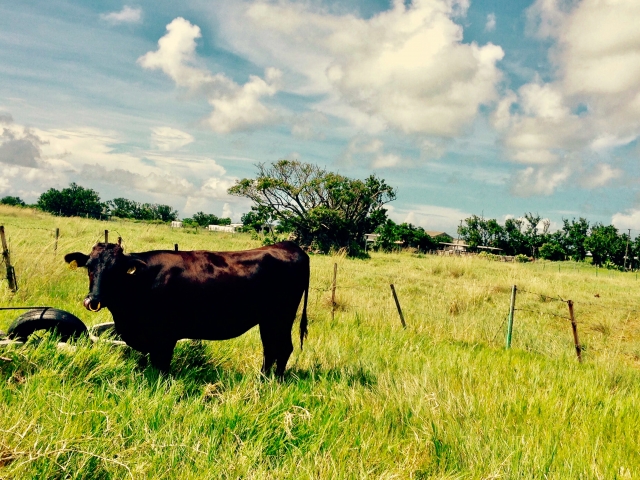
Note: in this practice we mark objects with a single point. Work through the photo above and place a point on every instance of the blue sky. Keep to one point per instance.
(467, 107)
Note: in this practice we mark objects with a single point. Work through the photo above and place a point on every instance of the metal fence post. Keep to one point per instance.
(511, 310)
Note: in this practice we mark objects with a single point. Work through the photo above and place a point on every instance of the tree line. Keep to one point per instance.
(77, 201)
(531, 236)
(325, 211)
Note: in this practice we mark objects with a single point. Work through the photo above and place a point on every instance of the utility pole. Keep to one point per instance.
(626, 252)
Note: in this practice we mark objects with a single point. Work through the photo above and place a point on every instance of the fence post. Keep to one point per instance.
(574, 327)
(11, 273)
(106, 236)
(514, 289)
(176, 247)
(395, 297)
(333, 291)
(55, 245)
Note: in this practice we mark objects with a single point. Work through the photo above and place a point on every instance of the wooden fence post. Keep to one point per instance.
(333, 291)
(511, 310)
(106, 236)
(395, 297)
(574, 327)
(55, 245)
(11, 273)
(176, 247)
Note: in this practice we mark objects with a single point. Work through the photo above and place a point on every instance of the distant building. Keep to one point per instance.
(175, 224)
(455, 246)
(435, 233)
(489, 249)
(225, 228)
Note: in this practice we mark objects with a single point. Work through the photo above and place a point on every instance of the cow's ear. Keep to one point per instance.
(135, 265)
(76, 259)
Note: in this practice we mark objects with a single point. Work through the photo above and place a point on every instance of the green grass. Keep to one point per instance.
(364, 399)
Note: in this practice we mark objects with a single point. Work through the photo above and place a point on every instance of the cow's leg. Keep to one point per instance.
(161, 354)
(269, 353)
(285, 348)
(277, 344)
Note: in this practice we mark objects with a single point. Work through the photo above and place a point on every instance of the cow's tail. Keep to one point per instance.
(303, 318)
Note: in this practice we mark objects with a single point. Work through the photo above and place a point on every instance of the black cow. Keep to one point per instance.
(159, 297)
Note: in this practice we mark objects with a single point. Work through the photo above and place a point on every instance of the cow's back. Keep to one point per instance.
(217, 295)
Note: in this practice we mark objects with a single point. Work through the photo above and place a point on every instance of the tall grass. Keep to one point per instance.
(364, 399)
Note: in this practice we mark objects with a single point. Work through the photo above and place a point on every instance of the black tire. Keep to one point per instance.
(107, 329)
(51, 319)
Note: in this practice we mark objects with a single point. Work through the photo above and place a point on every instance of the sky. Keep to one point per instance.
(467, 107)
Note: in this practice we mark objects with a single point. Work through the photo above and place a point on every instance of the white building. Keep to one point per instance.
(225, 228)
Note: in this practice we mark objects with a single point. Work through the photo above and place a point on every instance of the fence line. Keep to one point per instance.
(541, 295)
(541, 313)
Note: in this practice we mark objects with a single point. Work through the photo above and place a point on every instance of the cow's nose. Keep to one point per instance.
(92, 303)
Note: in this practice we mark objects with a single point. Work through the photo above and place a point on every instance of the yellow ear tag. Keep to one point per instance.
(131, 271)
(73, 265)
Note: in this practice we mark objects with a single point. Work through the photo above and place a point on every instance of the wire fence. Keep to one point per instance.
(335, 286)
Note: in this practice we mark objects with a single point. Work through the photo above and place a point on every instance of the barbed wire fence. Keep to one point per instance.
(334, 286)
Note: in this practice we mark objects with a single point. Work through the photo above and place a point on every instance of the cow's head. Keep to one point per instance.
(108, 267)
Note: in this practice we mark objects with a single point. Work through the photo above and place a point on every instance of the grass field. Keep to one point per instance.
(364, 399)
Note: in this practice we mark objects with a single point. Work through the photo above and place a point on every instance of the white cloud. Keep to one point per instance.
(126, 15)
(20, 146)
(593, 104)
(227, 212)
(309, 125)
(405, 68)
(539, 181)
(167, 138)
(152, 182)
(490, 26)
(602, 174)
(371, 150)
(430, 217)
(629, 219)
(235, 107)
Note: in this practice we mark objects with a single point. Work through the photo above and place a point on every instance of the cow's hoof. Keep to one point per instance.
(50, 319)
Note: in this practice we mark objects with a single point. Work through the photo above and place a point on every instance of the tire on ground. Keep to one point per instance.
(50, 319)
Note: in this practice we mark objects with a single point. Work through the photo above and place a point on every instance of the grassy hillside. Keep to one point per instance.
(365, 399)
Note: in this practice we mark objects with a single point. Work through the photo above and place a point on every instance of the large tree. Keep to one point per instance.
(606, 245)
(125, 208)
(72, 201)
(575, 236)
(323, 209)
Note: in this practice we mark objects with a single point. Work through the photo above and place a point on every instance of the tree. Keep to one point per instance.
(13, 201)
(205, 219)
(124, 208)
(71, 201)
(575, 236)
(515, 241)
(606, 245)
(533, 239)
(473, 232)
(552, 251)
(410, 236)
(324, 210)
(256, 219)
